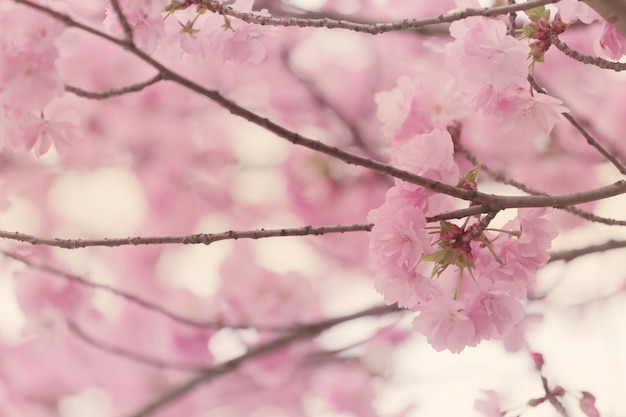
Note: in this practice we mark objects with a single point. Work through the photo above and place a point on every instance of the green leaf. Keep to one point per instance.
(538, 13)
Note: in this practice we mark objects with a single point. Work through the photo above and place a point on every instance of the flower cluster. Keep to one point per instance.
(465, 281)
(28, 78)
(206, 36)
(495, 67)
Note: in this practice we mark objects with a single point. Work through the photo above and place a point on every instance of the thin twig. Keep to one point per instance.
(590, 140)
(114, 91)
(131, 355)
(135, 299)
(552, 398)
(281, 9)
(128, 31)
(373, 29)
(196, 239)
(231, 365)
(586, 59)
(569, 255)
(501, 177)
(323, 101)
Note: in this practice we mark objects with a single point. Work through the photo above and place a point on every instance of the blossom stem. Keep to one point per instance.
(457, 292)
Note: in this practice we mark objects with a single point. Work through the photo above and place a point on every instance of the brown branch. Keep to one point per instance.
(114, 91)
(373, 29)
(209, 238)
(586, 59)
(569, 255)
(196, 239)
(128, 31)
(502, 178)
(301, 333)
(131, 355)
(281, 9)
(135, 299)
(149, 305)
(554, 401)
(321, 100)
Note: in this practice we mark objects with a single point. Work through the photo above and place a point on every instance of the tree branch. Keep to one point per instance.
(301, 333)
(569, 255)
(131, 355)
(128, 31)
(197, 239)
(114, 91)
(370, 28)
(501, 177)
(586, 59)
(135, 299)
(590, 140)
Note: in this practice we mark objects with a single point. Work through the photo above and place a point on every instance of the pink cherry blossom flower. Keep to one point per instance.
(347, 388)
(488, 53)
(149, 8)
(516, 339)
(148, 32)
(538, 360)
(611, 44)
(536, 236)
(588, 405)
(520, 256)
(251, 294)
(416, 106)
(494, 312)
(490, 405)
(23, 27)
(28, 132)
(42, 297)
(535, 115)
(43, 134)
(429, 155)
(407, 288)
(28, 77)
(405, 110)
(446, 325)
(398, 238)
(496, 103)
(572, 10)
(235, 41)
(145, 18)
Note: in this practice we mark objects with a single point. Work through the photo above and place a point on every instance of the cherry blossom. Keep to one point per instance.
(611, 44)
(588, 404)
(571, 10)
(145, 18)
(536, 115)
(399, 237)
(484, 275)
(28, 77)
(415, 107)
(487, 53)
(446, 325)
(490, 405)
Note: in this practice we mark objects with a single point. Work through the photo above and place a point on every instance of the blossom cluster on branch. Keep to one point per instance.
(465, 281)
